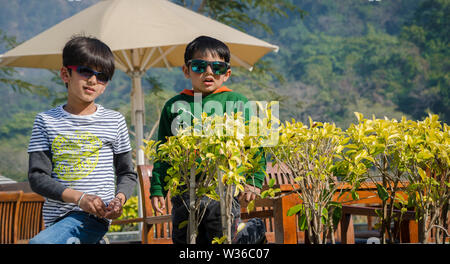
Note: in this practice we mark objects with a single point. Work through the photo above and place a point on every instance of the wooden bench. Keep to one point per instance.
(30, 220)
(20, 216)
(9, 207)
(408, 226)
(366, 205)
(280, 228)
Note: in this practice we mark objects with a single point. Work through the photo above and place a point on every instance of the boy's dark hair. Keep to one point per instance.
(206, 44)
(89, 52)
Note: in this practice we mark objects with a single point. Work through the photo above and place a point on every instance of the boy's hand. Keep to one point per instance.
(156, 201)
(250, 193)
(114, 209)
(93, 204)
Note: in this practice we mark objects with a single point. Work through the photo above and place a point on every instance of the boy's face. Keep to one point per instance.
(206, 82)
(81, 90)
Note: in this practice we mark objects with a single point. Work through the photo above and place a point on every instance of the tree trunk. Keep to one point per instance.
(383, 223)
(223, 210)
(192, 221)
(443, 220)
(421, 231)
(229, 206)
(318, 227)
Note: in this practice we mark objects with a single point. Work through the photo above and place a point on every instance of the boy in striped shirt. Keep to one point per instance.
(76, 149)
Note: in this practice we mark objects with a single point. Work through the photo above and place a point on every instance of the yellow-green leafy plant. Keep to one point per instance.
(381, 143)
(428, 148)
(182, 153)
(310, 154)
(236, 155)
(209, 159)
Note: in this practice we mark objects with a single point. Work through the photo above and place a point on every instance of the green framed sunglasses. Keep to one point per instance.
(217, 67)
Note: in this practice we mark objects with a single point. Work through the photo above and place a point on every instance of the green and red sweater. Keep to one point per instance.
(186, 99)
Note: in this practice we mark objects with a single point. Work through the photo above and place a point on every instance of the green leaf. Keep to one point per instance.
(294, 209)
(271, 182)
(400, 199)
(379, 213)
(359, 116)
(217, 240)
(302, 224)
(425, 155)
(351, 146)
(337, 214)
(183, 224)
(251, 206)
(355, 195)
(324, 215)
(213, 196)
(422, 173)
(382, 192)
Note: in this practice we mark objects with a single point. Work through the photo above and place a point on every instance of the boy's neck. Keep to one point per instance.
(88, 109)
(193, 91)
(203, 93)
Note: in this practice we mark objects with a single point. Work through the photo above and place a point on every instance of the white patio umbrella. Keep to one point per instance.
(142, 34)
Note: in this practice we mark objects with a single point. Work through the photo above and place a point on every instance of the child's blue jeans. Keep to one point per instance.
(74, 228)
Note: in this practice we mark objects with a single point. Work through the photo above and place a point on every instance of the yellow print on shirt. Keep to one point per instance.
(75, 155)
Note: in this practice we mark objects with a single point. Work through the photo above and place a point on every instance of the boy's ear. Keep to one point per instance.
(64, 74)
(186, 71)
(227, 75)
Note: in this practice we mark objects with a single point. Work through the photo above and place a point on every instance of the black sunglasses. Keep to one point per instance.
(217, 67)
(87, 72)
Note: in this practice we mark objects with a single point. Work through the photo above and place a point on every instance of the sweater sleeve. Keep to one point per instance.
(160, 168)
(257, 178)
(126, 176)
(39, 176)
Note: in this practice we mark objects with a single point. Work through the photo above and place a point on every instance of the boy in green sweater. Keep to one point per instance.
(207, 66)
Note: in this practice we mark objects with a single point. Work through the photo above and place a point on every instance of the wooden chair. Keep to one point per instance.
(280, 228)
(407, 234)
(20, 216)
(9, 209)
(283, 229)
(156, 228)
(30, 220)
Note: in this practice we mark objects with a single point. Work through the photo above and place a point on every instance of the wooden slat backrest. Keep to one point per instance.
(9, 206)
(279, 172)
(161, 232)
(264, 208)
(30, 220)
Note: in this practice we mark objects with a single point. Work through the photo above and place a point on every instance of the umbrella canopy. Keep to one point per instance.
(142, 34)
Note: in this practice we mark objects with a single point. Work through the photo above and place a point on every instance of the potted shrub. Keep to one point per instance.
(211, 161)
(380, 142)
(428, 149)
(312, 156)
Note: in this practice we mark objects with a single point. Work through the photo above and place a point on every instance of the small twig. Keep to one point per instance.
(440, 227)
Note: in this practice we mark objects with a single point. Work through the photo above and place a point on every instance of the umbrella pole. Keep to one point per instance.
(138, 118)
(138, 114)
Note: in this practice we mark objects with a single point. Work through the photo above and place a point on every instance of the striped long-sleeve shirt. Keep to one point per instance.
(82, 151)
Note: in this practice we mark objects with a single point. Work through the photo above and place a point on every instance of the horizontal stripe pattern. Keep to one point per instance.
(82, 150)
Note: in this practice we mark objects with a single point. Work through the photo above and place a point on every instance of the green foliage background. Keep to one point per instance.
(388, 58)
